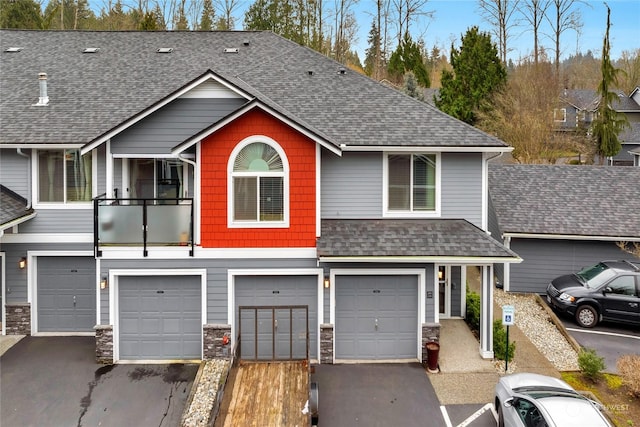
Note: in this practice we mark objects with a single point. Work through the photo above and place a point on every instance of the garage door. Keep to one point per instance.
(66, 294)
(376, 317)
(160, 317)
(280, 332)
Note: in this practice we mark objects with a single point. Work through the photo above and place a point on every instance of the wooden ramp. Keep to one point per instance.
(269, 394)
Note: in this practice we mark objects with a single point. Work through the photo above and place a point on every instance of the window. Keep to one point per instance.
(560, 115)
(623, 285)
(156, 179)
(412, 183)
(64, 176)
(259, 185)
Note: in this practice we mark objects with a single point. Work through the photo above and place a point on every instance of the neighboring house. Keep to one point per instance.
(180, 179)
(636, 156)
(578, 108)
(560, 219)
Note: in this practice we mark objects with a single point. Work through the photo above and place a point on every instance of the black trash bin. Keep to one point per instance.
(433, 348)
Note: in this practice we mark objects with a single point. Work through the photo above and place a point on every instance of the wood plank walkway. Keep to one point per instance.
(269, 394)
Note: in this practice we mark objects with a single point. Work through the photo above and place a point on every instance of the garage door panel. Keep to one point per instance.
(277, 291)
(66, 294)
(160, 317)
(376, 317)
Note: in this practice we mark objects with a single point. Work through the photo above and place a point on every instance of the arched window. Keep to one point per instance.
(258, 193)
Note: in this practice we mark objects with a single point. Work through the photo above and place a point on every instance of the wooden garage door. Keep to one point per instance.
(277, 291)
(160, 318)
(66, 294)
(376, 317)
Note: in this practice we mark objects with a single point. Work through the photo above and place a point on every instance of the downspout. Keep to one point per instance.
(28, 157)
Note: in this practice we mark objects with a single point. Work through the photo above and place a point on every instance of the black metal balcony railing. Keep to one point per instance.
(142, 222)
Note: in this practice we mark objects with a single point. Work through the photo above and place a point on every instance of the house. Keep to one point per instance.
(192, 194)
(578, 108)
(560, 219)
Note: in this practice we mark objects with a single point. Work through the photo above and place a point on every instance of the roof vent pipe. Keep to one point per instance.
(44, 99)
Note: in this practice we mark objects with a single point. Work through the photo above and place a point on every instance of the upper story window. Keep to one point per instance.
(259, 185)
(412, 184)
(157, 179)
(64, 176)
(560, 115)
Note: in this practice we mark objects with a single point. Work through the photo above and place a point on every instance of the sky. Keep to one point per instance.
(452, 18)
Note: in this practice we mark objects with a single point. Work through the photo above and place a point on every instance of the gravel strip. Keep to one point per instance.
(212, 377)
(535, 323)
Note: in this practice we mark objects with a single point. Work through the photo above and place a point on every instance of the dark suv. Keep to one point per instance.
(609, 290)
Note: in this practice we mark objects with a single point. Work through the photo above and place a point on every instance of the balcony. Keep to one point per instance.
(143, 223)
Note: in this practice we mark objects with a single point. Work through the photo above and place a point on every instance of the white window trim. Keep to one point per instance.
(564, 115)
(35, 184)
(386, 213)
(231, 223)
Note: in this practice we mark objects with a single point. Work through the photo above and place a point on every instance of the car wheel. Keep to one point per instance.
(500, 415)
(586, 316)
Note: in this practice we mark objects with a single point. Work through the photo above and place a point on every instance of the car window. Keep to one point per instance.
(623, 285)
(601, 278)
(530, 414)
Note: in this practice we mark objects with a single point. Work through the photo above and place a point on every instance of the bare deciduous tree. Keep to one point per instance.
(500, 15)
(534, 11)
(566, 17)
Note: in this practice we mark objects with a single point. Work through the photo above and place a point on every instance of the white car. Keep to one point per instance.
(532, 400)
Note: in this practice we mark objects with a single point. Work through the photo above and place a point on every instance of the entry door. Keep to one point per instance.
(444, 290)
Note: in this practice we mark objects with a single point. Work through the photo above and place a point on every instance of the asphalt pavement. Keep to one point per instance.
(55, 381)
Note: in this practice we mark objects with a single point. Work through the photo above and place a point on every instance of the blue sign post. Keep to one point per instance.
(508, 319)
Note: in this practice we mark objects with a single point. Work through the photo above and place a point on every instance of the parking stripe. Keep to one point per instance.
(445, 415)
(612, 334)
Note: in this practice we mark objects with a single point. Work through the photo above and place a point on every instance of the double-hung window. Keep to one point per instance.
(258, 193)
(64, 176)
(411, 184)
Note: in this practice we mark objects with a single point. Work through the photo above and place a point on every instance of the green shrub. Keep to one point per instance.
(500, 342)
(473, 310)
(629, 368)
(591, 365)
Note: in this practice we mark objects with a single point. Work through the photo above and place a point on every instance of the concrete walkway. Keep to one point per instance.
(8, 341)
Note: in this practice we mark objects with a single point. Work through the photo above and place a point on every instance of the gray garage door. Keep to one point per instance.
(160, 317)
(281, 326)
(376, 317)
(66, 294)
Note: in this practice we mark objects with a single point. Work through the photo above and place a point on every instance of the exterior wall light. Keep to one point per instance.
(326, 283)
(104, 284)
(22, 263)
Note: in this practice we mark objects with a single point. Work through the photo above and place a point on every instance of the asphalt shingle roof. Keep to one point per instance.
(91, 93)
(406, 238)
(12, 206)
(566, 200)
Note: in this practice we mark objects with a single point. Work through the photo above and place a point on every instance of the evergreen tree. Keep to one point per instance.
(371, 52)
(411, 87)
(608, 123)
(21, 14)
(408, 57)
(208, 15)
(477, 73)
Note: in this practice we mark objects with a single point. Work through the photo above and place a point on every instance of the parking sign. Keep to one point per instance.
(508, 315)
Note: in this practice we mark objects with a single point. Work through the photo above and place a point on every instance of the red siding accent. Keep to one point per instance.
(301, 154)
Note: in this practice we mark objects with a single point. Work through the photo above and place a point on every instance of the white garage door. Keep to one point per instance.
(160, 317)
(376, 317)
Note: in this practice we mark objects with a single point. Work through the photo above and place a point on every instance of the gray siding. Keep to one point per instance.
(352, 186)
(14, 171)
(217, 279)
(172, 124)
(496, 233)
(462, 186)
(545, 260)
(60, 221)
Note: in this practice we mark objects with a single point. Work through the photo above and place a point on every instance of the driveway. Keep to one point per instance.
(54, 381)
(376, 395)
